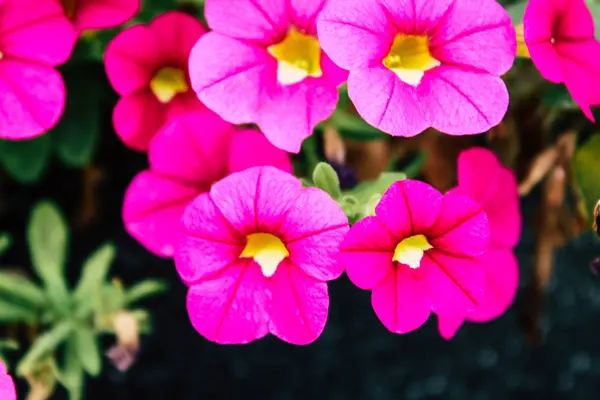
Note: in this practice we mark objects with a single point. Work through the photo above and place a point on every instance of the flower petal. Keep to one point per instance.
(192, 148)
(386, 102)
(291, 113)
(152, 209)
(367, 252)
(581, 72)
(131, 59)
(455, 104)
(231, 308)
(462, 228)
(417, 17)
(409, 207)
(137, 118)
(7, 386)
(32, 101)
(250, 148)
(304, 14)
(36, 30)
(455, 285)
(101, 14)
(176, 34)
(355, 33)
(261, 21)
(479, 174)
(399, 300)
(448, 324)
(229, 75)
(299, 307)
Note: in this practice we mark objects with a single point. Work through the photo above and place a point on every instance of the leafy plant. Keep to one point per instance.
(70, 319)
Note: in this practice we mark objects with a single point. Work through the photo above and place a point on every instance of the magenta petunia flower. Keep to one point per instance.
(32, 43)
(186, 157)
(484, 179)
(147, 66)
(417, 254)
(99, 14)
(256, 252)
(7, 386)
(416, 64)
(266, 67)
(559, 35)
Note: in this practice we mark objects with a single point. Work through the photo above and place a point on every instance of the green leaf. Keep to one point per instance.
(587, 171)
(414, 168)
(557, 96)
(144, 289)
(310, 153)
(72, 375)
(12, 312)
(76, 135)
(516, 11)
(352, 126)
(325, 178)
(364, 191)
(111, 299)
(22, 290)
(44, 345)
(4, 242)
(88, 350)
(47, 236)
(94, 271)
(25, 160)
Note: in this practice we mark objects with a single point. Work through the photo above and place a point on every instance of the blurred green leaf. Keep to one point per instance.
(310, 152)
(9, 344)
(414, 168)
(43, 345)
(94, 271)
(587, 171)
(48, 240)
(557, 96)
(4, 242)
(144, 289)
(152, 8)
(325, 178)
(12, 312)
(516, 11)
(352, 126)
(72, 376)
(25, 160)
(112, 299)
(88, 350)
(21, 290)
(364, 191)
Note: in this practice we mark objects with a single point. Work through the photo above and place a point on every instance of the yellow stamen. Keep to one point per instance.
(409, 58)
(410, 251)
(298, 56)
(167, 83)
(522, 50)
(267, 250)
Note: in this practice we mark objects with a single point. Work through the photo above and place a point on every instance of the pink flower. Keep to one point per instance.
(147, 65)
(416, 254)
(186, 157)
(416, 64)
(559, 35)
(7, 386)
(99, 14)
(266, 67)
(483, 178)
(32, 43)
(256, 252)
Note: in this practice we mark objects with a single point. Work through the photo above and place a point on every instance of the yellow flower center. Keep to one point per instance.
(267, 250)
(522, 50)
(298, 57)
(167, 83)
(410, 251)
(409, 58)
(69, 6)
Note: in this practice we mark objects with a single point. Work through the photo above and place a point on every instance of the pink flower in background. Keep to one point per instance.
(256, 252)
(266, 67)
(417, 254)
(147, 66)
(483, 178)
(416, 64)
(32, 43)
(186, 157)
(559, 35)
(99, 14)
(7, 386)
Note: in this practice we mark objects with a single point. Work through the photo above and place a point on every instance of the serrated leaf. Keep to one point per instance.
(25, 160)
(88, 350)
(22, 290)
(4, 242)
(325, 178)
(143, 290)
(12, 312)
(44, 345)
(47, 237)
(587, 171)
(94, 271)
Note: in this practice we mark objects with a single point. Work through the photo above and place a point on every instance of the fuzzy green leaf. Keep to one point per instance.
(44, 345)
(22, 290)
(325, 178)
(88, 350)
(4, 242)
(143, 290)
(94, 272)
(25, 160)
(13, 312)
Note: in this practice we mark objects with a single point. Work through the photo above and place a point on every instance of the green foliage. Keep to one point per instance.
(71, 320)
(587, 170)
(25, 160)
(325, 178)
(4, 242)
